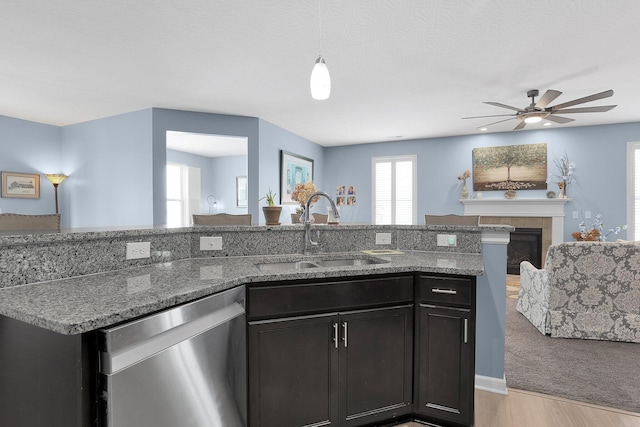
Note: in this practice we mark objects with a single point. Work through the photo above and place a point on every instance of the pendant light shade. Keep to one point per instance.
(320, 82)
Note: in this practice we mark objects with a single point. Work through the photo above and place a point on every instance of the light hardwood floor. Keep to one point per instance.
(527, 409)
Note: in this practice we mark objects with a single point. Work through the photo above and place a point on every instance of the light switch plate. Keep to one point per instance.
(447, 240)
(383, 238)
(211, 243)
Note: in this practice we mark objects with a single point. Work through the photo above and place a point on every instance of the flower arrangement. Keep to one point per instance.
(564, 177)
(302, 192)
(466, 174)
(597, 232)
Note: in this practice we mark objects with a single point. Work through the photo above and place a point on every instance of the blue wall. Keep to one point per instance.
(272, 140)
(28, 147)
(110, 170)
(188, 121)
(599, 153)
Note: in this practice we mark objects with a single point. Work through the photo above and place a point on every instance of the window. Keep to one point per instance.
(394, 190)
(633, 190)
(183, 194)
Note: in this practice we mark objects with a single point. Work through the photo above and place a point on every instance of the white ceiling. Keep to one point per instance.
(400, 69)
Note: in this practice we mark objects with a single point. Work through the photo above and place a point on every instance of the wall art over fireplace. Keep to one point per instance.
(510, 167)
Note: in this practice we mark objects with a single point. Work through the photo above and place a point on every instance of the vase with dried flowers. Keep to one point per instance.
(564, 177)
(300, 194)
(464, 193)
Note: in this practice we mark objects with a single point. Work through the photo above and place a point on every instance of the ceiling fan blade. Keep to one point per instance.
(548, 97)
(497, 104)
(494, 115)
(494, 123)
(594, 97)
(520, 125)
(600, 109)
(558, 119)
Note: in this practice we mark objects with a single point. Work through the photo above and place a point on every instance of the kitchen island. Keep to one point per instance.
(72, 308)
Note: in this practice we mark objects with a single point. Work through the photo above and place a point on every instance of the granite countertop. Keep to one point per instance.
(85, 303)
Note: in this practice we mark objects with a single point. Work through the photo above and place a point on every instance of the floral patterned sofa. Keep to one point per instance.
(588, 290)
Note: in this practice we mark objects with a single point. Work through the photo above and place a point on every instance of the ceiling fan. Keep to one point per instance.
(537, 111)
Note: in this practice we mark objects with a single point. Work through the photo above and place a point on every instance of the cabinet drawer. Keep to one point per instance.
(290, 298)
(446, 290)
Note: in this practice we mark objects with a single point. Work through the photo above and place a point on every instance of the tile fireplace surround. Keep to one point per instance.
(547, 214)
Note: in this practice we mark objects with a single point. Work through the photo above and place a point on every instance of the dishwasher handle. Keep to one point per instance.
(122, 358)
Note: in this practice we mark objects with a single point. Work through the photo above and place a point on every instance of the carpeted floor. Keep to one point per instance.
(598, 372)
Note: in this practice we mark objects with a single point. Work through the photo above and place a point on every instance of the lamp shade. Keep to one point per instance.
(320, 82)
(55, 178)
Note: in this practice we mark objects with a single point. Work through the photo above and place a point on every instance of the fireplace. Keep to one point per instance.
(525, 245)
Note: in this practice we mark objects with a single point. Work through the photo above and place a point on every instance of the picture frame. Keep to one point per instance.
(510, 167)
(294, 169)
(241, 191)
(20, 185)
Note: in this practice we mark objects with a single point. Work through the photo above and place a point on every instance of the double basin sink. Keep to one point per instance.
(347, 261)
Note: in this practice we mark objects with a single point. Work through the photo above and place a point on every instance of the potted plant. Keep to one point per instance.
(271, 211)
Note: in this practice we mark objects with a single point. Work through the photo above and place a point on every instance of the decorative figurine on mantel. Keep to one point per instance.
(464, 193)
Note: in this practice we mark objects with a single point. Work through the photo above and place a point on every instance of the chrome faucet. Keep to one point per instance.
(307, 221)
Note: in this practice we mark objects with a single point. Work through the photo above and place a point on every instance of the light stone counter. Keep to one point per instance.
(85, 303)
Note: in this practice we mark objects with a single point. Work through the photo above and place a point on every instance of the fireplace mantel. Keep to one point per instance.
(552, 208)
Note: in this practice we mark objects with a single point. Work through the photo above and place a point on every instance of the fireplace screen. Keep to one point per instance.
(525, 245)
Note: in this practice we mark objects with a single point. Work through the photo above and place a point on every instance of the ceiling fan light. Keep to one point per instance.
(532, 119)
(320, 82)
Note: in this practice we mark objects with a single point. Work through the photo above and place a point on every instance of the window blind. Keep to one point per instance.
(394, 190)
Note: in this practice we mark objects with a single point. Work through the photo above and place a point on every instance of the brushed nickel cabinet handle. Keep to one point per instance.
(335, 334)
(444, 291)
(466, 330)
(344, 337)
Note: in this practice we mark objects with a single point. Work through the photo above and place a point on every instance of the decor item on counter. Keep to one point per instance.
(464, 193)
(597, 231)
(271, 211)
(564, 177)
(241, 191)
(55, 179)
(213, 203)
(301, 194)
(294, 169)
(511, 167)
(320, 81)
(21, 185)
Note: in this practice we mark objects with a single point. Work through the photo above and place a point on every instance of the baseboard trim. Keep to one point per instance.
(491, 384)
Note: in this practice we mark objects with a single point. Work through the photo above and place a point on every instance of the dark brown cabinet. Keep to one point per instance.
(446, 348)
(346, 368)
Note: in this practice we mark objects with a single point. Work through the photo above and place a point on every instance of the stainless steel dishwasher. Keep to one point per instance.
(185, 366)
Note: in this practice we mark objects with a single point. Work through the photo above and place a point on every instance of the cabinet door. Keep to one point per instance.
(446, 366)
(376, 364)
(293, 368)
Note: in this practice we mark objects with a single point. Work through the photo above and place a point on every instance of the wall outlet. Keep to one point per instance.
(587, 214)
(575, 214)
(211, 243)
(383, 238)
(448, 240)
(138, 250)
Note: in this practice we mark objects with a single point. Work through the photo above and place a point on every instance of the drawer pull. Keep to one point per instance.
(444, 291)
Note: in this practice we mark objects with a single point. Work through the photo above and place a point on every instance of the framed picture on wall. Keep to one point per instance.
(241, 191)
(294, 169)
(21, 185)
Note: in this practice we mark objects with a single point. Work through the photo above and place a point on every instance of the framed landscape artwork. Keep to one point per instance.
(294, 169)
(510, 167)
(21, 185)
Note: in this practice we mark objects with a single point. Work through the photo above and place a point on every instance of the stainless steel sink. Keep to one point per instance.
(346, 262)
(280, 266)
(316, 263)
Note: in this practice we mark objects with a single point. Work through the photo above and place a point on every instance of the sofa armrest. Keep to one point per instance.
(535, 283)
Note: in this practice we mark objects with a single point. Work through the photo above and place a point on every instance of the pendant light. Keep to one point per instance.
(320, 82)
